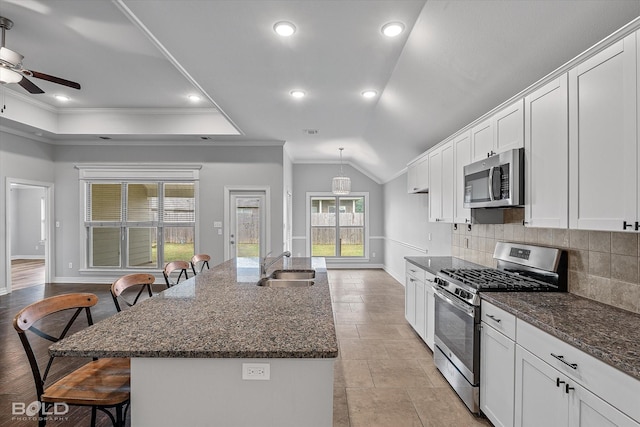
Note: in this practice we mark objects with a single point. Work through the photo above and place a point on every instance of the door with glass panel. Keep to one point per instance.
(337, 226)
(247, 228)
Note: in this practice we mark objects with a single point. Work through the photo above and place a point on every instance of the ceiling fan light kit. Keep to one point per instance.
(12, 70)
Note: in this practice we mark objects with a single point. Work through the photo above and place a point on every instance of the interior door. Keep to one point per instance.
(247, 226)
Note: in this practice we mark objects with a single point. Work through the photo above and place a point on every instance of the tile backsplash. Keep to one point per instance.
(603, 266)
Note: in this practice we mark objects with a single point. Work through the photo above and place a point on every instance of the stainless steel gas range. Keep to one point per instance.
(520, 268)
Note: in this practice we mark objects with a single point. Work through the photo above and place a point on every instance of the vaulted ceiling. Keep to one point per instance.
(138, 60)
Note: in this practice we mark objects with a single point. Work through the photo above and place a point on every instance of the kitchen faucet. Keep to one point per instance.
(264, 266)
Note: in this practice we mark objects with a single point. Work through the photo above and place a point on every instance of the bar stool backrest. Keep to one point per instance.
(125, 284)
(199, 262)
(173, 266)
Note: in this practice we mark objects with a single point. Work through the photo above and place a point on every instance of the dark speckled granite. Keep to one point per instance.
(434, 264)
(603, 331)
(220, 313)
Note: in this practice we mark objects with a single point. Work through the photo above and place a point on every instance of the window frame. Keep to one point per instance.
(365, 196)
(158, 174)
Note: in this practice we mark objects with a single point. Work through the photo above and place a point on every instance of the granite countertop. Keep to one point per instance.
(434, 264)
(220, 313)
(603, 331)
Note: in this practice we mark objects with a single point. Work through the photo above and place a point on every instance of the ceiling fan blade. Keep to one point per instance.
(55, 79)
(29, 85)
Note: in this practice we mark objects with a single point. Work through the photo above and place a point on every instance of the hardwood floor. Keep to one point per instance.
(26, 272)
(383, 377)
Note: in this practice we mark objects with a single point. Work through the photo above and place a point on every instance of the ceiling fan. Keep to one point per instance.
(12, 71)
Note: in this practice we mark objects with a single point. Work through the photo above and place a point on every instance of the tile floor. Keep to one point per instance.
(384, 375)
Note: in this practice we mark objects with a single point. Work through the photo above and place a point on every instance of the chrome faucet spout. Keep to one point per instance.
(264, 266)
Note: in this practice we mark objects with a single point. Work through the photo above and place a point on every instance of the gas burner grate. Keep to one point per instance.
(488, 279)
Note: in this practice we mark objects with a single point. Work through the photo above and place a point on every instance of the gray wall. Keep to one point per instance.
(25, 229)
(221, 166)
(407, 228)
(317, 178)
(25, 159)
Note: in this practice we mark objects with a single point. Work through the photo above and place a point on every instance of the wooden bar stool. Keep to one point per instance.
(200, 260)
(102, 384)
(129, 281)
(172, 266)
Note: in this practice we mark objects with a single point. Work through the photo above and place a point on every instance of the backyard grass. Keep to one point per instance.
(175, 252)
(330, 250)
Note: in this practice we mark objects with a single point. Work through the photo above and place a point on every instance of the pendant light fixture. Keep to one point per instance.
(341, 184)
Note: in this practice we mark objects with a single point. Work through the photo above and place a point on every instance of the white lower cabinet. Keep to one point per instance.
(419, 302)
(431, 311)
(421, 311)
(529, 378)
(497, 365)
(410, 300)
(545, 397)
(539, 400)
(558, 385)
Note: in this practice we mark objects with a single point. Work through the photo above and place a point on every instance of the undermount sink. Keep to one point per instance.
(293, 274)
(289, 279)
(285, 283)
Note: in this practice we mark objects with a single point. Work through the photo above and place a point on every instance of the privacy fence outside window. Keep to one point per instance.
(338, 226)
(138, 224)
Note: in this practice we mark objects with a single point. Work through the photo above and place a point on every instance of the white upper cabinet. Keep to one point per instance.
(441, 186)
(448, 183)
(418, 175)
(462, 157)
(502, 132)
(546, 141)
(603, 144)
(508, 127)
(481, 140)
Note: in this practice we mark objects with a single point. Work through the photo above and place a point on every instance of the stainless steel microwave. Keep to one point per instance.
(496, 181)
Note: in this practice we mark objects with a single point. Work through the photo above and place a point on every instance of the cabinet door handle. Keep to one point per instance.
(558, 382)
(561, 358)
(567, 388)
(625, 225)
(492, 317)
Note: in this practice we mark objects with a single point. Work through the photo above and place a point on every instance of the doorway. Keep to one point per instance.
(28, 244)
(246, 219)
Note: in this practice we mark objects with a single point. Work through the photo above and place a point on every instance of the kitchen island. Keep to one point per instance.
(191, 344)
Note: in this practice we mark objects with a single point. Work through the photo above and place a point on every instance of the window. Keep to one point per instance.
(139, 224)
(337, 225)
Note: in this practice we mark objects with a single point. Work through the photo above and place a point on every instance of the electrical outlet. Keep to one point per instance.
(429, 236)
(70, 265)
(256, 371)
(373, 254)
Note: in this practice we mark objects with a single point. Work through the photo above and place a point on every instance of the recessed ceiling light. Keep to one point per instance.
(392, 29)
(297, 93)
(369, 93)
(284, 28)
(62, 98)
(194, 98)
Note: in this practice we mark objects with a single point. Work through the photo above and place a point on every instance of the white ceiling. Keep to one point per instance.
(455, 61)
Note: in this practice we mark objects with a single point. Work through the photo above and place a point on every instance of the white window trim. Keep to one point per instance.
(165, 172)
(364, 194)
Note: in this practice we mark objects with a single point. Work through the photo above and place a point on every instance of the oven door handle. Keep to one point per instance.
(467, 309)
